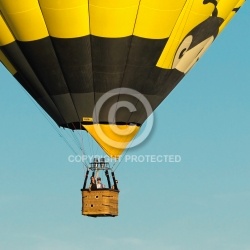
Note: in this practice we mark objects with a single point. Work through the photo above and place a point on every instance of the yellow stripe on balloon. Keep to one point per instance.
(24, 18)
(66, 19)
(156, 19)
(112, 19)
(6, 36)
(7, 63)
(112, 138)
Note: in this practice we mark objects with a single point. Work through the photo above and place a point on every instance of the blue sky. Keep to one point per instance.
(201, 202)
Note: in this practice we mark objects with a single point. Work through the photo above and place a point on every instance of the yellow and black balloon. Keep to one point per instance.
(67, 54)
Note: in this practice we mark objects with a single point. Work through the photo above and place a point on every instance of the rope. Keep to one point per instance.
(52, 123)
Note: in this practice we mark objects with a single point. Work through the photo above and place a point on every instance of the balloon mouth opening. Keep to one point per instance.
(79, 125)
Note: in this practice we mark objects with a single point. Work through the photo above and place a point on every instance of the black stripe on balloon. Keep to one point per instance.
(26, 77)
(74, 56)
(142, 59)
(41, 56)
(140, 75)
(15, 56)
(109, 60)
(47, 104)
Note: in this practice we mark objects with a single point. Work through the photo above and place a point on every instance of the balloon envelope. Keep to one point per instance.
(68, 54)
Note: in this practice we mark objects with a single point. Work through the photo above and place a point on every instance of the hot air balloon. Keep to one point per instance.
(104, 66)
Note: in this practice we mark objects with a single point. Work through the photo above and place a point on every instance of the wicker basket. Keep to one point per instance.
(100, 203)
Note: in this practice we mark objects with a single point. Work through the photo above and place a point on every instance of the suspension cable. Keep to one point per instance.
(52, 123)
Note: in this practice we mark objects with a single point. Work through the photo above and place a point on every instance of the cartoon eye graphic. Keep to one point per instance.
(186, 57)
(183, 48)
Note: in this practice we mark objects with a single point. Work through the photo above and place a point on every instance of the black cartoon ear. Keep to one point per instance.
(215, 12)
